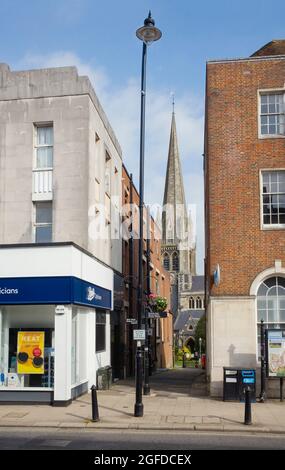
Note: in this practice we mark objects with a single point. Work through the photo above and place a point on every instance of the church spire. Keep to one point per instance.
(174, 196)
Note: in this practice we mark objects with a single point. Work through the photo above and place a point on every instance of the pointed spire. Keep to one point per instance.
(174, 196)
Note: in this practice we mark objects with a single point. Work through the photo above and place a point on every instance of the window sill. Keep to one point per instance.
(273, 227)
(271, 136)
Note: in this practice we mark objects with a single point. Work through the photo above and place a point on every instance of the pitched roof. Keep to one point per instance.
(198, 284)
(275, 47)
(184, 317)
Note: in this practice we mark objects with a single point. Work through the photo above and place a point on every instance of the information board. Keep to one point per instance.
(275, 340)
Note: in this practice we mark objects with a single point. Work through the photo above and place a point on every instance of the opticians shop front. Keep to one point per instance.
(55, 303)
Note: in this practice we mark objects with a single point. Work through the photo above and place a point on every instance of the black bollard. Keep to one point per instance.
(183, 360)
(247, 409)
(95, 411)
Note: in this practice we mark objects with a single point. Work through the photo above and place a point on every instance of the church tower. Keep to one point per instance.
(179, 258)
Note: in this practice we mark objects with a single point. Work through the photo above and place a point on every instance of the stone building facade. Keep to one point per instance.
(60, 168)
(177, 249)
(245, 206)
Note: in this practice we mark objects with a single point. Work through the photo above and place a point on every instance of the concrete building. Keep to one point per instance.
(244, 207)
(60, 201)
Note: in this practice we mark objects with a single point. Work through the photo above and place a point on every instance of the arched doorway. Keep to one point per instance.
(190, 343)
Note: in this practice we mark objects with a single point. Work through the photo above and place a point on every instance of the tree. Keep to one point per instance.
(200, 332)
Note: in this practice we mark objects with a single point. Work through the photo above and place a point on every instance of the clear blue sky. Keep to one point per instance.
(99, 37)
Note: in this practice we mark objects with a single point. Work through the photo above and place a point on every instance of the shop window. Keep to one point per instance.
(100, 332)
(43, 222)
(28, 361)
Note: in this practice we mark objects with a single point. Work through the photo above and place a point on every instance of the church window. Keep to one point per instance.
(166, 263)
(198, 302)
(191, 302)
(175, 262)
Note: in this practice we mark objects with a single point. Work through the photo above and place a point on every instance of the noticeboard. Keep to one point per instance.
(139, 335)
(275, 348)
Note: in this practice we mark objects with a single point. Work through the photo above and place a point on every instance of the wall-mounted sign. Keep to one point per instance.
(53, 290)
(60, 310)
(217, 275)
(153, 315)
(275, 340)
(30, 352)
(139, 335)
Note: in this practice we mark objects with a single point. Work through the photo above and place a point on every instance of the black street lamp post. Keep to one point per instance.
(262, 396)
(148, 34)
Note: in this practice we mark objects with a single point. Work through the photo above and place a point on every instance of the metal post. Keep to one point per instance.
(146, 388)
(183, 360)
(139, 370)
(131, 283)
(281, 389)
(95, 411)
(247, 409)
(262, 395)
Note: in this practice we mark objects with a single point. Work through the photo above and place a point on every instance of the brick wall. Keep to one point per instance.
(234, 156)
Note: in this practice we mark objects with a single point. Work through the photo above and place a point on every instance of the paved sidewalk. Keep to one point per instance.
(178, 401)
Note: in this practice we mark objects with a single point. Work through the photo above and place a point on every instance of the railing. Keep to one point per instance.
(42, 184)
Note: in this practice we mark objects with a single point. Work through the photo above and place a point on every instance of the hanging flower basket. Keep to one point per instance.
(157, 303)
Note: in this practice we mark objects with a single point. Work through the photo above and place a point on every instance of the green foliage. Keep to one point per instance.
(158, 304)
(201, 333)
(179, 352)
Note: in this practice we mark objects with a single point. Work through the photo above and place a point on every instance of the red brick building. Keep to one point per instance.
(161, 329)
(244, 205)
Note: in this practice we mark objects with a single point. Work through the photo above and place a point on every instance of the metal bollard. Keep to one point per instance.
(183, 360)
(95, 411)
(247, 409)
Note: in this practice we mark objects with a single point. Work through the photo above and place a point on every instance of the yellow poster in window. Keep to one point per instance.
(30, 352)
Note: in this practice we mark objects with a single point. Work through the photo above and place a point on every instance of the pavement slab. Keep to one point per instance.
(174, 404)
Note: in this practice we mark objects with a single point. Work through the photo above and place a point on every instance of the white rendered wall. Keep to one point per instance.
(62, 373)
(231, 337)
(54, 261)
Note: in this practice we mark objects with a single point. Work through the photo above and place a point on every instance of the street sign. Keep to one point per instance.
(133, 321)
(153, 315)
(139, 335)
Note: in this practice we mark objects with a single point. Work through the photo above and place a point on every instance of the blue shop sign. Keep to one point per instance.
(53, 290)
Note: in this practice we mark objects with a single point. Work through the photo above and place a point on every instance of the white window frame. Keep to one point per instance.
(262, 225)
(36, 146)
(36, 224)
(268, 91)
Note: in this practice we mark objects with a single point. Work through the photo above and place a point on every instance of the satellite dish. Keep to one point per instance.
(217, 275)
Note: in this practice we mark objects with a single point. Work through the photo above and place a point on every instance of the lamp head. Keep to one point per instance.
(148, 33)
